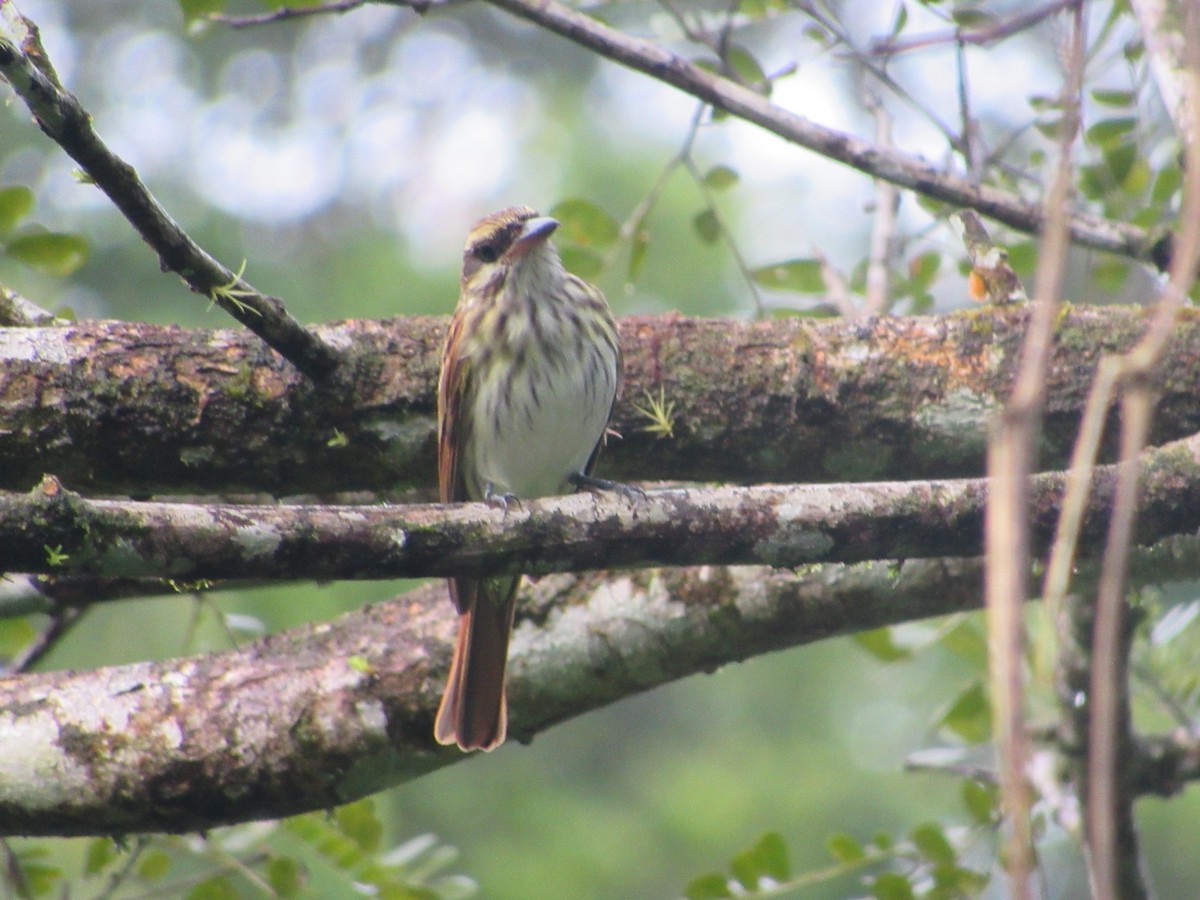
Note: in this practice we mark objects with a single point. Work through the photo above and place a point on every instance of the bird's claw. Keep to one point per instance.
(491, 498)
(630, 492)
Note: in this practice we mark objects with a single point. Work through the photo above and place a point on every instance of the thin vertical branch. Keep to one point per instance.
(1114, 861)
(1011, 450)
(883, 227)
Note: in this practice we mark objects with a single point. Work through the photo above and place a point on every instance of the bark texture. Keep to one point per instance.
(137, 409)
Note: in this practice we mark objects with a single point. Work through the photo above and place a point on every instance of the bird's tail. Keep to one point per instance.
(473, 712)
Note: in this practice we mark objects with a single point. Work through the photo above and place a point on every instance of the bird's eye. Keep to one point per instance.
(487, 252)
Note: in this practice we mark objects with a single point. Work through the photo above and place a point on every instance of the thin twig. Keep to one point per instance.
(285, 13)
(60, 623)
(59, 114)
(1114, 862)
(900, 169)
(883, 225)
(1011, 461)
(978, 36)
(820, 13)
(837, 289)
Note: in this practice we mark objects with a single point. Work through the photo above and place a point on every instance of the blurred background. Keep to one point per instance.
(345, 157)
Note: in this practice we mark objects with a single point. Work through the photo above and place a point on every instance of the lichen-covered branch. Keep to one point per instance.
(55, 531)
(318, 716)
(328, 712)
(136, 409)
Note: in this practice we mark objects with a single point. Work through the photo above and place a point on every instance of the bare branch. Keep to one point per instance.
(1012, 456)
(59, 114)
(1114, 862)
(17, 312)
(883, 224)
(900, 169)
(1001, 30)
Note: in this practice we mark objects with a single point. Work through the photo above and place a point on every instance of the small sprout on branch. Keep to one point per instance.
(230, 293)
(660, 412)
(188, 587)
(55, 555)
(339, 439)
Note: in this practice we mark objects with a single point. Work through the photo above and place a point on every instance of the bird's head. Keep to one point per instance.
(503, 241)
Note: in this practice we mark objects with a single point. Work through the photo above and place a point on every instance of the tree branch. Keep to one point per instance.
(132, 408)
(323, 714)
(24, 65)
(54, 531)
(329, 712)
(879, 162)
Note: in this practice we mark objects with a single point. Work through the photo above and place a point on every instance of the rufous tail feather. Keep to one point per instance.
(473, 712)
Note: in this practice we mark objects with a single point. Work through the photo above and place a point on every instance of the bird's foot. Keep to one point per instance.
(630, 492)
(491, 498)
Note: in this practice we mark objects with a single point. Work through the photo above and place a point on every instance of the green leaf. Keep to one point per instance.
(879, 643)
(216, 888)
(721, 177)
(1022, 256)
(15, 204)
(981, 801)
(358, 822)
(194, 10)
(284, 875)
(747, 869)
(584, 222)
(154, 864)
(890, 886)
(1120, 159)
(1114, 98)
(14, 635)
(745, 67)
(1110, 130)
(966, 641)
(710, 886)
(773, 853)
(923, 269)
(1166, 184)
(100, 852)
(931, 841)
(957, 881)
(970, 715)
(1042, 103)
(51, 253)
(766, 859)
(583, 261)
(975, 19)
(1050, 128)
(707, 226)
(42, 879)
(845, 848)
(801, 275)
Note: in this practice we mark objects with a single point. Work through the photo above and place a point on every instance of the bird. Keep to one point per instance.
(531, 368)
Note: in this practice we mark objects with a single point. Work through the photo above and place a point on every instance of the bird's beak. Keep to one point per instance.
(535, 233)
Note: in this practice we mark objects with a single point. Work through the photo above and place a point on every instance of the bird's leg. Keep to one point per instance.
(491, 498)
(630, 492)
